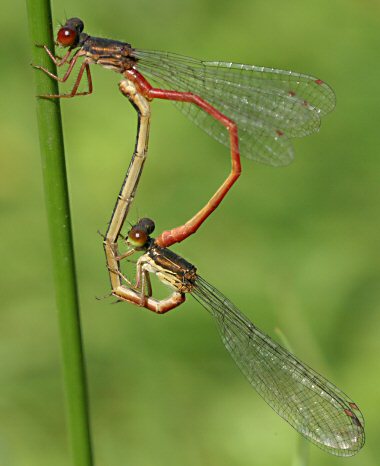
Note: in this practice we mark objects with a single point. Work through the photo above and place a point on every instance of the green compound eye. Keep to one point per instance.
(137, 237)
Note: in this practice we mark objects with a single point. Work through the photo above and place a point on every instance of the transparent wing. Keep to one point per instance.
(306, 400)
(269, 106)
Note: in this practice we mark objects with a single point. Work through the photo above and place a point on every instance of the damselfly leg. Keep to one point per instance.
(140, 292)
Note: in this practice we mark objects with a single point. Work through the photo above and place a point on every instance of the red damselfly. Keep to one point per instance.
(252, 109)
(311, 404)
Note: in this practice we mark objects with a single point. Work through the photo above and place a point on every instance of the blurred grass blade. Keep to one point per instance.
(59, 221)
(301, 455)
(302, 452)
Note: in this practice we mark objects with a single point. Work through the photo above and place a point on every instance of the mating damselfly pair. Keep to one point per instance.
(254, 110)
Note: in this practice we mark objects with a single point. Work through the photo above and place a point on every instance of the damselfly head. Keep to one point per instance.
(69, 34)
(147, 224)
(138, 235)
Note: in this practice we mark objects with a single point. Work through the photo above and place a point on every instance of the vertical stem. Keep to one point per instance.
(59, 221)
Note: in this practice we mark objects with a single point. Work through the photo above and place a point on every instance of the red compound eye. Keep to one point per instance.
(66, 37)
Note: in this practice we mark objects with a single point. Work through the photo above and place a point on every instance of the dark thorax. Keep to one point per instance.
(111, 54)
(170, 268)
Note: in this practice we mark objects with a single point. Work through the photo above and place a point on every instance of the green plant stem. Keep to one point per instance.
(59, 221)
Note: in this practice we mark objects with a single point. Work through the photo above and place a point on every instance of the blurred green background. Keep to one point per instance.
(295, 248)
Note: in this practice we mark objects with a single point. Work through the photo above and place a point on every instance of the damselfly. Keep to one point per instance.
(254, 109)
(307, 401)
